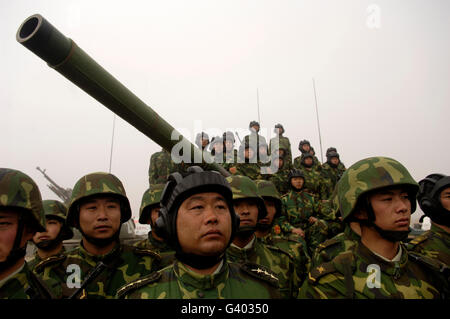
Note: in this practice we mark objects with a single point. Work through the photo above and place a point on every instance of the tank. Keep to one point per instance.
(63, 55)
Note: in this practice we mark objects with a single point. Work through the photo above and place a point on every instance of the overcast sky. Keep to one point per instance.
(381, 69)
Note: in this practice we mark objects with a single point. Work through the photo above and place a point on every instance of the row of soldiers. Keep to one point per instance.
(217, 237)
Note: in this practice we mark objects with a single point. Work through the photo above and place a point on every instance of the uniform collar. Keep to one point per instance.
(199, 281)
(106, 258)
(393, 268)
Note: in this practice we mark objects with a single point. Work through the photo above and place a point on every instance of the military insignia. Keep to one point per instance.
(320, 269)
(47, 262)
(153, 277)
(277, 229)
(261, 272)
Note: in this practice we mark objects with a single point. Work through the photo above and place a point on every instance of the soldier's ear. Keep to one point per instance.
(361, 213)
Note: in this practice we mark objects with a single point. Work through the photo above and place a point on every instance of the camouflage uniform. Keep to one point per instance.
(281, 142)
(123, 263)
(271, 257)
(280, 179)
(161, 166)
(360, 273)
(331, 175)
(19, 191)
(313, 180)
(232, 281)
(435, 243)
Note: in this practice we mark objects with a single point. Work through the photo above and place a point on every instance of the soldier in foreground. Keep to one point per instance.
(246, 248)
(21, 216)
(100, 264)
(50, 242)
(198, 221)
(380, 194)
(434, 200)
(148, 214)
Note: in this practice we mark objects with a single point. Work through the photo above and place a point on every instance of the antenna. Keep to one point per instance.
(318, 123)
(112, 143)
(257, 102)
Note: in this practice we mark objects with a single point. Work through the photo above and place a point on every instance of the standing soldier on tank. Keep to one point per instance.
(380, 194)
(254, 139)
(434, 200)
(216, 147)
(248, 165)
(50, 242)
(100, 264)
(269, 232)
(280, 176)
(250, 207)
(231, 154)
(148, 214)
(21, 216)
(330, 174)
(161, 166)
(305, 147)
(198, 220)
(281, 142)
(314, 183)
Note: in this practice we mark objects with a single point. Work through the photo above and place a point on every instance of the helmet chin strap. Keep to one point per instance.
(16, 252)
(101, 242)
(47, 245)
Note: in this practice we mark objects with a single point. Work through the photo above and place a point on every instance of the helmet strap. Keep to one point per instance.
(199, 261)
(102, 242)
(16, 252)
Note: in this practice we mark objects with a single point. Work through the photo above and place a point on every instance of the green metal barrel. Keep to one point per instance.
(63, 55)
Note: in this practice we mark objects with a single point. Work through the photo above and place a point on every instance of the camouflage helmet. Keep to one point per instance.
(332, 154)
(331, 149)
(303, 142)
(371, 174)
(228, 136)
(97, 184)
(18, 190)
(280, 127)
(201, 136)
(267, 189)
(253, 123)
(428, 197)
(56, 209)
(150, 199)
(243, 187)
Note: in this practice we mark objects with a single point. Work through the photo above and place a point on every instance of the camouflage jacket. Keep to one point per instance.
(273, 258)
(313, 181)
(330, 177)
(37, 259)
(326, 251)
(298, 207)
(161, 166)
(167, 253)
(230, 159)
(27, 285)
(251, 170)
(435, 243)
(359, 273)
(232, 281)
(280, 179)
(124, 264)
(285, 144)
(298, 251)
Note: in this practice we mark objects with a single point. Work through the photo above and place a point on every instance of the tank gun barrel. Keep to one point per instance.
(63, 55)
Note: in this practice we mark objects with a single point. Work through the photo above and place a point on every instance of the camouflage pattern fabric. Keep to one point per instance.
(36, 259)
(330, 177)
(161, 166)
(326, 251)
(125, 264)
(179, 282)
(434, 243)
(347, 276)
(313, 182)
(298, 208)
(150, 199)
(280, 179)
(26, 285)
(166, 253)
(285, 144)
(54, 208)
(19, 190)
(298, 251)
(251, 170)
(230, 159)
(273, 258)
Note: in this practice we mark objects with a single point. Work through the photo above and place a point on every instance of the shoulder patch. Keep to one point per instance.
(151, 278)
(49, 261)
(420, 239)
(327, 243)
(261, 272)
(323, 269)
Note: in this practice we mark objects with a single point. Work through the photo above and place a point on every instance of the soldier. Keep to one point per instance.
(280, 177)
(331, 173)
(380, 194)
(216, 148)
(269, 232)
(254, 139)
(100, 264)
(50, 242)
(21, 216)
(281, 142)
(161, 166)
(248, 165)
(202, 140)
(231, 154)
(148, 214)
(245, 248)
(434, 200)
(313, 180)
(198, 221)
(302, 212)
(316, 164)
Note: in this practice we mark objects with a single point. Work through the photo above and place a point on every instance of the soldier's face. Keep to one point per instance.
(9, 220)
(306, 147)
(154, 214)
(247, 209)
(100, 217)
(204, 142)
(334, 160)
(229, 144)
(392, 209)
(204, 224)
(308, 161)
(218, 147)
(297, 182)
(445, 198)
(249, 153)
(271, 211)
(52, 227)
